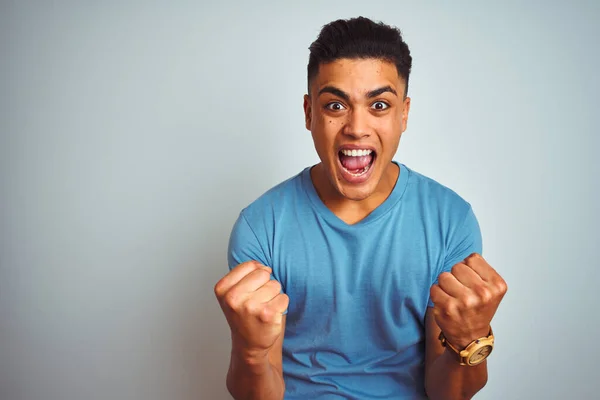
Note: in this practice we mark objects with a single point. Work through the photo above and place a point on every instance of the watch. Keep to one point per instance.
(475, 353)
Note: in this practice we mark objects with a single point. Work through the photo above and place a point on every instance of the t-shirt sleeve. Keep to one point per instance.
(244, 245)
(463, 241)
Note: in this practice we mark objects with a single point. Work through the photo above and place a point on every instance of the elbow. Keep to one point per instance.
(229, 384)
(472, 390)
(233, 388)
(465, 392)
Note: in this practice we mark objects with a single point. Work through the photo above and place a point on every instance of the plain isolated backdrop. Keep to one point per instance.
(132, 134)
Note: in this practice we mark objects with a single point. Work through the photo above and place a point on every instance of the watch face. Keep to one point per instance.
(480, 355)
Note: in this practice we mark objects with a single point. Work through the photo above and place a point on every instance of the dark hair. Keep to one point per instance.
(359, 38)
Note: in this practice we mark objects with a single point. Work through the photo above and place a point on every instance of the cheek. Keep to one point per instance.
(329, 127)
(389, 133)
(328, 121)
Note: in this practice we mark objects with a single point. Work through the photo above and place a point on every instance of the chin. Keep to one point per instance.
(353, 193)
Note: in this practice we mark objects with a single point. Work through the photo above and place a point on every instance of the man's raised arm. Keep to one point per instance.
(253, 306)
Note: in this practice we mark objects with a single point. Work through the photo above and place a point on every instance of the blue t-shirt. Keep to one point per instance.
(358, 293)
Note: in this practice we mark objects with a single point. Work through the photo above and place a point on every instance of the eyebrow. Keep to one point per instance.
(335, 91)
(377, 92)
(340, 93)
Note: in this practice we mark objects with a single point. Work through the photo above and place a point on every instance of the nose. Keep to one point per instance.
(357, 125)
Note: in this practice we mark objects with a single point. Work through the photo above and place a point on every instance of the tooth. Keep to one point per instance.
(356, 153)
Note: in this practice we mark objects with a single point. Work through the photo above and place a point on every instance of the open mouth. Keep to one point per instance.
(356, 162)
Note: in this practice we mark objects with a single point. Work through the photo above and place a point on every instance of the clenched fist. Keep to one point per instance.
(253, 306)
(466, 299)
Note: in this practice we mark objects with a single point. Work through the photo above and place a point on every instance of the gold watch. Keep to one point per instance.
(475, 353)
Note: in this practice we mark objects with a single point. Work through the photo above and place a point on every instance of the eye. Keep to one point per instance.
(380, 105)
(335, 106)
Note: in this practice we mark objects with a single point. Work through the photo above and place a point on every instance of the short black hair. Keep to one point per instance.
(357, 38)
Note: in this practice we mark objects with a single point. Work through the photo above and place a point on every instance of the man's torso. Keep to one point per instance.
(358, 293)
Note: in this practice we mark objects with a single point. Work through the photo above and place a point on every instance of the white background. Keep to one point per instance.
(133, 134)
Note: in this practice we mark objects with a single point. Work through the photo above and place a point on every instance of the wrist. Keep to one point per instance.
(450, 356)
(473, 353)
(462, 343)
(256, 361)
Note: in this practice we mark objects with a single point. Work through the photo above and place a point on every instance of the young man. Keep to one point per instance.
(343, 277)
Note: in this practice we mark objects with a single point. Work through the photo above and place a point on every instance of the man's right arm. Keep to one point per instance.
(253, 306)
(251, 378)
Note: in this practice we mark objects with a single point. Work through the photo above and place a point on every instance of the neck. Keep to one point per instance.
(353, 211)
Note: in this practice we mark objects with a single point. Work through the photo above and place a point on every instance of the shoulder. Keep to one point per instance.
(253, 231)
(275, 200)
(431, 191)
(450, 214)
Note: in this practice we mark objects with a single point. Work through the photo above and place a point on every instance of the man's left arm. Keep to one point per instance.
(465, 301)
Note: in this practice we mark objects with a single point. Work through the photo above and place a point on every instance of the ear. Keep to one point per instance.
(405, 110)
(307, 112)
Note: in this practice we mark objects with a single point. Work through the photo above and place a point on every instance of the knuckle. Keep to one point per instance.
(262, 275)
(485, 294)
(444, 276)
(470, 301)
(266, 315)
(450, 310)
(433, 289)
(274, 285)
(257, 276)
(253, 263)
(502, 286)
(253, 266)
(474, 258)
(230, 298)
(218, 289)
(455, 268)
(248, 307)
(259, 266)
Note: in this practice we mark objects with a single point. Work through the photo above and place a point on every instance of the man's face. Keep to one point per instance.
(357, 112)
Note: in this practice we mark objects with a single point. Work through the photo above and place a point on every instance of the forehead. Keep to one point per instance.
(358, 75)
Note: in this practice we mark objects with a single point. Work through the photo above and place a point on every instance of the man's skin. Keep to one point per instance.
(360, 102)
